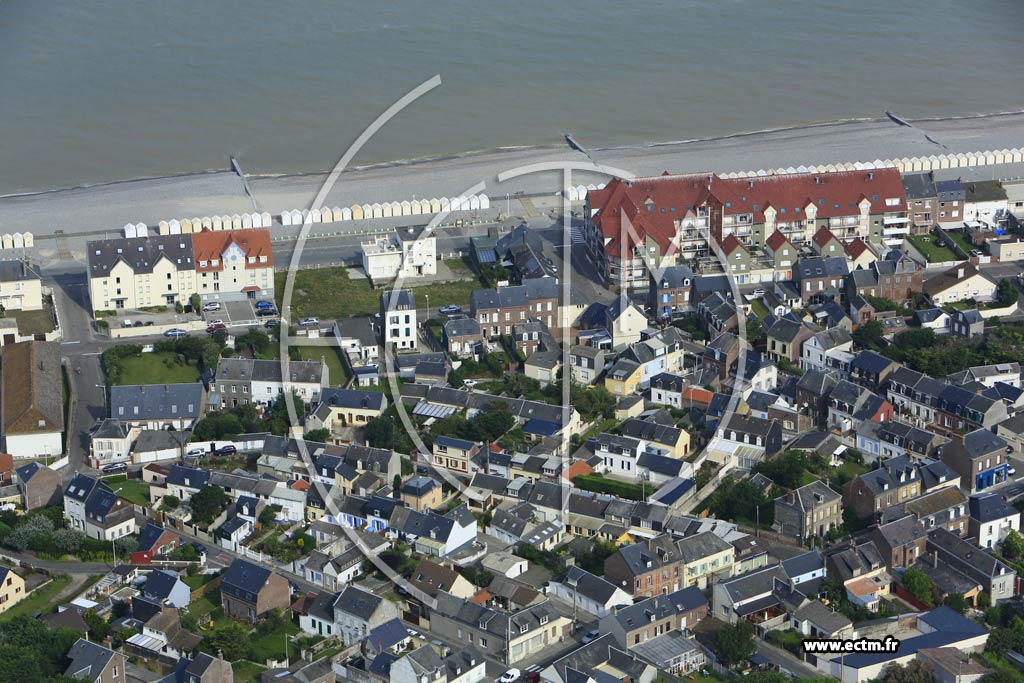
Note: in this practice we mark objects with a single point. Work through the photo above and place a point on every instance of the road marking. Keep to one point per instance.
(71, 342)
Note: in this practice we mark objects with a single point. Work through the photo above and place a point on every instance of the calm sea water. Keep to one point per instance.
(116, 89)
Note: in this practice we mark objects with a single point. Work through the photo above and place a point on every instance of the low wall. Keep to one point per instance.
(149, 330)
(988, 313)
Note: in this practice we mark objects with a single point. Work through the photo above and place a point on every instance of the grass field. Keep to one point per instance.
(758, 308)
(958, 237)
(329, 293)
(42, 599)
(132, 490)
(247, 671)
(272, 645)
(934, 252)
(153, 368)
(205, 604)
(198, 580)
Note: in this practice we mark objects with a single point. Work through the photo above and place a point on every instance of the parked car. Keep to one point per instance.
(216, 322)
(176, 332)
(590, 636)
(114, 468)
(510, 676)
(975, 252)
(262, 312)
(149, 323)
(470, 382)
(127, 323)
(1012, 471)
(196, 451)
(757, 293)
(212, 306)
(271, 324)
(449, 309)
(309, 322)
(227, 450)
(264, 304)
(216, 328)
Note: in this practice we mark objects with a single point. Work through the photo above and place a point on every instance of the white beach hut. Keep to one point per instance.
(163, 228)
(30, 241)
(7, 241)
(128, 230)
(446, 205)
(404, 208)
(485, 201)
(346, 213)
(435, 205)
(17, 241)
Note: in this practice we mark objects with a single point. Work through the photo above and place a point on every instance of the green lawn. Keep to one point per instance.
(133, 490)
(958, 237)
(156, 368)
(758, 308)
(205, 604)
(42, 599)
(271, 645)
(247, 671)
(931, 249)
(328, 293)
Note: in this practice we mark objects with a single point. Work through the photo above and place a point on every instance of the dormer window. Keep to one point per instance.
(524, 628)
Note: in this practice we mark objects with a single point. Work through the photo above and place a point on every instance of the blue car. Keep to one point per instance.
(264, 304)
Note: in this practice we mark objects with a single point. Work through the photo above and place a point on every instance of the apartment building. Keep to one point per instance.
(499, 310)
(241, 381)
(229, 265)
(637, 226)
(406, 254)
(21, 286)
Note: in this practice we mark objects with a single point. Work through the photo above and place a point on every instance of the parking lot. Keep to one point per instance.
(237, 314)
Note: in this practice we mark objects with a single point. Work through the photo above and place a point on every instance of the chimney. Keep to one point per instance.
(817, 180)
(871, 175)
(935, 560)
(959, 273)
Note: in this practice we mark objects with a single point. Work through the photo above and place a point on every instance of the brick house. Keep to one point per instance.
(811, 510)
(248, 591)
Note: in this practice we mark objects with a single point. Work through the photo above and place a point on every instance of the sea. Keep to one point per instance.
(99, 91)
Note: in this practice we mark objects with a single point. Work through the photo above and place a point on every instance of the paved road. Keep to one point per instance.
(784, 660)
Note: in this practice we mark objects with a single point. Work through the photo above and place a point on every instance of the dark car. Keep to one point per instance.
(114, 468)
(271, 324)
(227, 450)
(149, 323)
(262, 312)
(449, 309)
(217, 327)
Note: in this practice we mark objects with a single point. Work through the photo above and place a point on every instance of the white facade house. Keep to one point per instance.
(589, 593)
(407, 255)
(398, 313)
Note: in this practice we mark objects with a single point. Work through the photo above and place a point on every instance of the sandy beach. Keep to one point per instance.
(90, 212)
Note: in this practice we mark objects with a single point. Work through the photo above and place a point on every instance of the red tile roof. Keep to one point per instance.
(648, 207)
(857, 247)
(823, 237)
(209, 245)
(731, 243)
(776, 240)
(645, 205)
(576, 469)
(831, 193)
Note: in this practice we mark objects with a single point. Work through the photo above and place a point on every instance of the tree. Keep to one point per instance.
(1006, 293)
(207, 503)
(194, 301)
(229, 638)
(1013, 545)
(735, 642)
(126, 545)
(380, 432)
(169, 503)
(869, 335)
(396, 487)
(29, 532)
(185, 553)
(67, 541)
(217, 426)
(30, 652)
(1001, 676)
(766, 677)
(918, 584)
(98, 626)
(318, 435)
(956, 601)
(268, 516)
(785, 470)
(754, 328)
(915, 671)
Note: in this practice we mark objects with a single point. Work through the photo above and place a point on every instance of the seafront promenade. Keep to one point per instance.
(105, 208)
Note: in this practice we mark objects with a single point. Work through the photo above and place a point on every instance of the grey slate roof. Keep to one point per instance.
(248, 370)
(141, 254)
(143, 402)
(18, 271)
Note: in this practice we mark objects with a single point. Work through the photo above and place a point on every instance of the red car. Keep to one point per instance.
(216, 328)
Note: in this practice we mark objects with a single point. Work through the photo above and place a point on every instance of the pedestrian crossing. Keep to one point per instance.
(532, 669)
(576, 235)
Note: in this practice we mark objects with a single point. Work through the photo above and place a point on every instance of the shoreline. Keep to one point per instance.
(501, 151)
